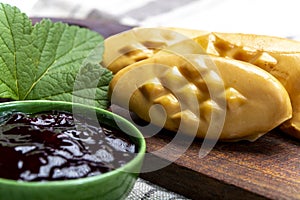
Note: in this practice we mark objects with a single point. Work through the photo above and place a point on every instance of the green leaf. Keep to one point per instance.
(88, 86)
(15, 29)
(44, 61)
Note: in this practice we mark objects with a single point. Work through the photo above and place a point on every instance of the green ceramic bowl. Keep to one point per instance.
(111, 185)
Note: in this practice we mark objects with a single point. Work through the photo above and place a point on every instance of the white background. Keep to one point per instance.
(271, 17)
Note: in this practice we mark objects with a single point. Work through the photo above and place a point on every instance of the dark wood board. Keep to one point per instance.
(268, 168)
(105, 27)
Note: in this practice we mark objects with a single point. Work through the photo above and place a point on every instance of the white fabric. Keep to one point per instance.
(272, 17)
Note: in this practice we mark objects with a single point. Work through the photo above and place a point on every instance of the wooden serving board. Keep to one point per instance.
(268, 168)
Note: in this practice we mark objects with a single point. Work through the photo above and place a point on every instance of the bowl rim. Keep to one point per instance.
(124, 169)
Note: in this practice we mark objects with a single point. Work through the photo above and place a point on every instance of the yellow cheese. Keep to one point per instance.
(194, 87)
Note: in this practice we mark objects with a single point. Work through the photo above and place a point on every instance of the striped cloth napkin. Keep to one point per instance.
(271, 17)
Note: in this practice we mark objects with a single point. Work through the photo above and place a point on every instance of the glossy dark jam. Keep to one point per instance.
(55, 146)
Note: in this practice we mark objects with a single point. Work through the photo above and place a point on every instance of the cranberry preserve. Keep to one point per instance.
(54, 146)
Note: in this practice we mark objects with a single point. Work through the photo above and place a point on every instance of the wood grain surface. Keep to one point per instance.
(268, 168)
